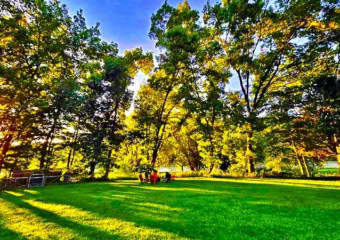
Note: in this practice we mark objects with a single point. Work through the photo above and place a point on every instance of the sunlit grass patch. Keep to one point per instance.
(159, 206)
(114, 225)
(24, 222)
(30, 191)
(18, 194)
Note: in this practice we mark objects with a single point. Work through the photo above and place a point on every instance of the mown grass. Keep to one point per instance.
(185, 209)
(328, 171)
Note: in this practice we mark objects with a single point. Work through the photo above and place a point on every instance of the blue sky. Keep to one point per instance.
(127, 22)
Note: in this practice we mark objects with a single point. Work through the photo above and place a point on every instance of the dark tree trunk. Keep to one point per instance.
(337, 149)
(5, 147)
(45, 150)
(72, 151)
(250, 157)
(49, 152)
(107, 171)
(160, 124)
(72, 159)
(211, 168)
(154, 156)
(69, 159)
(108, 166)
(92, 169)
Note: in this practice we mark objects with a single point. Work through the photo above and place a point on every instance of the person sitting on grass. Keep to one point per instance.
(154, 177)
(141, 177)
(151, 178)
(167, 177)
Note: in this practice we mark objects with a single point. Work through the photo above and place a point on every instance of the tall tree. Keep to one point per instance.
(173, 30)
(43, 58)
(260, 43)
(108, 99)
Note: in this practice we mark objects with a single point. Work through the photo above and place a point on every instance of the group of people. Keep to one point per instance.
(154, 178)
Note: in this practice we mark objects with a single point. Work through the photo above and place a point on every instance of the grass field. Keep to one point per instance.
(184, 209)
(326, 171)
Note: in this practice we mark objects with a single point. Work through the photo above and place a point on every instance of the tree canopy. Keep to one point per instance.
(66, 100)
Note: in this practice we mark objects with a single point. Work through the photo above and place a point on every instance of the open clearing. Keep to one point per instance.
(184, 209)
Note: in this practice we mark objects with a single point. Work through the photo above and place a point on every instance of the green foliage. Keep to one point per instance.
(65, 94)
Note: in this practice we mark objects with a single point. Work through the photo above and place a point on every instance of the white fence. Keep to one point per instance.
(34, 180)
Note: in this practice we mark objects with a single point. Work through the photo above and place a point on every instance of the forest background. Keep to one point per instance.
(66, 100)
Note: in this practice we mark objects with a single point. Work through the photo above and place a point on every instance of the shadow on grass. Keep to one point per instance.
(7, 234)
(48, 216)
(138, 206)
(201, 209)
(163, 207)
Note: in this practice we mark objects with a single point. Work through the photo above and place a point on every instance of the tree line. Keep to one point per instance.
(65, 94)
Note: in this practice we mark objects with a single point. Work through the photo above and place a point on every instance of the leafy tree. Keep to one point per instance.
(259, 39)
(44, 55)
(107, 101)
(173, 30)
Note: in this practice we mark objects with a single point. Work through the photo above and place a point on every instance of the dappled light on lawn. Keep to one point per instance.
(26, 223)
(30, 191)
(199, 208)
(117, 226)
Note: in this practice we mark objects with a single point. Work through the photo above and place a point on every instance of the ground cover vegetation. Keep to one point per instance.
(65, 93)
(184, 209)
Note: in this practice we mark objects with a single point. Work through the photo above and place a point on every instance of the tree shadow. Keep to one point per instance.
(84, 231)
(8, 234)
(129, 206)
(148, 206)
(197, 210)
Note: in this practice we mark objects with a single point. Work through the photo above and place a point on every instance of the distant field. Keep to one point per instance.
(185, 209)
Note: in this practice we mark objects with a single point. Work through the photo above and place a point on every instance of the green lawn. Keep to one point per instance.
(328, 171)
(184, 209)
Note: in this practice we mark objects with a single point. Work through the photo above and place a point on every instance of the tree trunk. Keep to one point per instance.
(154, 155)
(5, 148)
(300, 161)
(92, 169)
(44, 150)
(211, 167)
(338, 155)
(49, 152)
(212, 151)
(306, 167)
(159, 126)
(300, 165)
(69, 159)
(72, 159)
(46, 144)
(72, 151)
(192, 167)
(158, 142)
(107, 171)
(250, 157)
(337, 150)
(108, 166)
